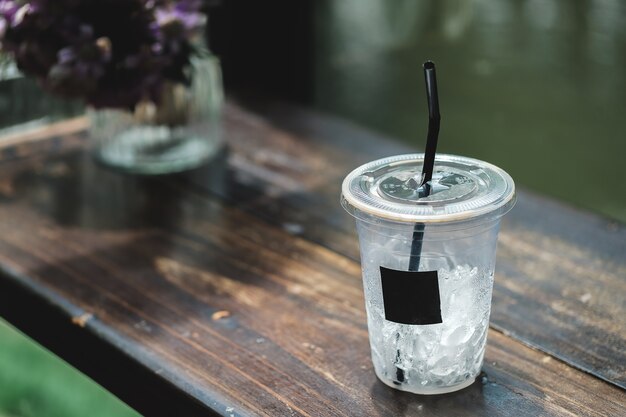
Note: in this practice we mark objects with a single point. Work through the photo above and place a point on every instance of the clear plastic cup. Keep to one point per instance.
(428, 326)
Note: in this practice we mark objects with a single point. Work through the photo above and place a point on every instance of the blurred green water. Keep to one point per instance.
(35, 383)
(537, 87)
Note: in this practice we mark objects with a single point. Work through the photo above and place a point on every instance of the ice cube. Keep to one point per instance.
(456, 336)
(445, 366)
(431, 355)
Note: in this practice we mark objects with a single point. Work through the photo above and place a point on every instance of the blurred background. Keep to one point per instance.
(537, 87)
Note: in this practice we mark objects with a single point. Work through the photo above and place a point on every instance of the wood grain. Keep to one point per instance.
(237, 286)
(44, 140)
(561, 272)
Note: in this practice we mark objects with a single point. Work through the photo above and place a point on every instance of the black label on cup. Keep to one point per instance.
(411, 297)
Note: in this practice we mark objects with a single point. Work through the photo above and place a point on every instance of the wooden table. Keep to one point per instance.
(235, 289)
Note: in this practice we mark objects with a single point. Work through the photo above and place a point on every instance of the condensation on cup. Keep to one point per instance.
(428, 325)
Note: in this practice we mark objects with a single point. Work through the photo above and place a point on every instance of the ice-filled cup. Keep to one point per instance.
(428, 263)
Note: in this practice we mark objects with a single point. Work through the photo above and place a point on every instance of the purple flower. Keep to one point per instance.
(3, 27)
(12, 14)
(79, 68)
(108, 52)
(8, 9)
(177, 23)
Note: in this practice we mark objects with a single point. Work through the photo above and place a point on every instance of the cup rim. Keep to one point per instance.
(366, 207)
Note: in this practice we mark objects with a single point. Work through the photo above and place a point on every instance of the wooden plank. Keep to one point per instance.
(148, 266)
(44, 133)
(54, 138)
(562, 285)
(561, 273)
(58, 325)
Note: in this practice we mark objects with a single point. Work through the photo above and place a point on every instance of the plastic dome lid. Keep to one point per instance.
(461, 188)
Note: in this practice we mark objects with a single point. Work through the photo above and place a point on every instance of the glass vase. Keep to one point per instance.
(178, 133)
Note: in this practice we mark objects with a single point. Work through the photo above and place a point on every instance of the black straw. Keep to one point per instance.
(424, 188)
(434, 119)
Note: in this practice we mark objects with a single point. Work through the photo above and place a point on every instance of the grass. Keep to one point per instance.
(35, 383)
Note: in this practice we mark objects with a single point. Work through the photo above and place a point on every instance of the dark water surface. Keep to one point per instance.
(537, 87)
